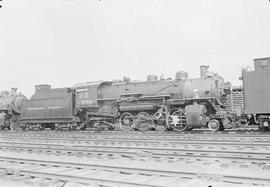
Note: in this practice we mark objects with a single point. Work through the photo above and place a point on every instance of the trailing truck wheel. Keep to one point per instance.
(41, 127)
(53, 127)
(142, 122)
(160, 121)
(126, 121)
(178, 122)
(214, 125)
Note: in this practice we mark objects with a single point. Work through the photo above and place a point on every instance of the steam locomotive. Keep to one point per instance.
(10, 108)
(180, 104)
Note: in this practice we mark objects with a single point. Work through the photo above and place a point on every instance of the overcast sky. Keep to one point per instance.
(63, 42)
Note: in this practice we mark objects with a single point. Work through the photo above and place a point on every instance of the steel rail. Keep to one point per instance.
(160, 152)
(167, 133)
(257, 143)
(187, 175)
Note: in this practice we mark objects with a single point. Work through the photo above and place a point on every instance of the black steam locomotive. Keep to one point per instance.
(179, 104)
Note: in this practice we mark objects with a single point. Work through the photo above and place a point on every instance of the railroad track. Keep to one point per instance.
(250, 131)
(237, 150)
(117, 174)
(252, 144)
(238, 157)
(91, 173)
(161, 136)
(251, 141)
(197, 157)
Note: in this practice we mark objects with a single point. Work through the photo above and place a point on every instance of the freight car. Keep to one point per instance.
(256, 91)
(10, 108)
(179, 104)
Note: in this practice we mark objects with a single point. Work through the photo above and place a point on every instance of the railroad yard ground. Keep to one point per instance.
(117, 158)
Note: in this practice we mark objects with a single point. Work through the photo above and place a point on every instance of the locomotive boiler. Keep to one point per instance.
(10, 108)
(179, 104)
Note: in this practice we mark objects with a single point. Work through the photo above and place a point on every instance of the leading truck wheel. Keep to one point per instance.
(214, 125)
(41, 127)
(53, 127)
(126, 121)
(178, 121)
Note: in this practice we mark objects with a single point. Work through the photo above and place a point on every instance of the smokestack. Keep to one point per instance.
(204, 71)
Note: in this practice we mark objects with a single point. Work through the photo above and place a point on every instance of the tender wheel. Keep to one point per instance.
(126, 121)
(53, 127)
(214, 125)
(73, 126)
(41, 127)
(178, 121)
(160, 121)
(143, 122)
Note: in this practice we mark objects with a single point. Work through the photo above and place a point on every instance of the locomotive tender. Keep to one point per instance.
(179, 104)
(257, 93)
